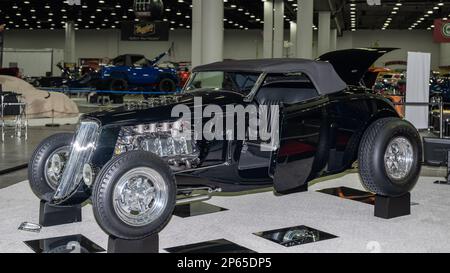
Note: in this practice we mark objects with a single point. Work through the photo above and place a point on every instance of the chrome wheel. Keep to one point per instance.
(54, 166)
(398, 158)
(140, 197)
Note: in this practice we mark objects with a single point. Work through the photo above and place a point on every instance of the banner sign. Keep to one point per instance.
(74, 2)
(442, 31)
(145, 31)
(418, 88)
(374, 2)
(2, 31)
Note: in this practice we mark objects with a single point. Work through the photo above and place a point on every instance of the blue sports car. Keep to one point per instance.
(135, 72)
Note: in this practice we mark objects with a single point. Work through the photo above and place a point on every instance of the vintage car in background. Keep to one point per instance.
(135, 165)
(10, 71)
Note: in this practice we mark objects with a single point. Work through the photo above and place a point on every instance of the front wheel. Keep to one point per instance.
(47, 165)
(390, 157)
(134, 195)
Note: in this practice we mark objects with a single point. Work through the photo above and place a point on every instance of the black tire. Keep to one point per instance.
(373, 146)
(167, 85)
(36, 168)
(118, 85)
(103, 191)
(351, 153)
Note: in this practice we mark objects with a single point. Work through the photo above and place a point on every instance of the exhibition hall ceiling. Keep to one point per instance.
(239, 14)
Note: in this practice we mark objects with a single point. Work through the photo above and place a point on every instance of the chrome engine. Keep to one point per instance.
(172, 141)
(153, 102)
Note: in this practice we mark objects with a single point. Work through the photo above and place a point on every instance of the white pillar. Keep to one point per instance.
(69, 46)
(212, 28)
(324, 32)
(196, 33)
(293, 40)
(445, 54)
(278, 34)
(268, 29)
(305, 16)
(333, 39)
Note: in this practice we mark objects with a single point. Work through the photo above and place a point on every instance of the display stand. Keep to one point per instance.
(147, 245)
(53, 124)
(51, 215)
(447, 177)
(392, 207)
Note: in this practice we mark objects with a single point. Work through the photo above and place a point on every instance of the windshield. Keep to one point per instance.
(139, 61)
(240, 82)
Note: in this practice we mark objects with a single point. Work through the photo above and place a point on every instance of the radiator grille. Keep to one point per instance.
(83, 147)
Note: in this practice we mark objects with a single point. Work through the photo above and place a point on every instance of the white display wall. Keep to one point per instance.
(34, 62)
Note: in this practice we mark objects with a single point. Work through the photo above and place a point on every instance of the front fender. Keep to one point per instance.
(106, 145)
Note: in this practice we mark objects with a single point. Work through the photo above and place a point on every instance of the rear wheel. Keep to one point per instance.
(118, 85)
(167, 85)
(390, 157)
(134, 195)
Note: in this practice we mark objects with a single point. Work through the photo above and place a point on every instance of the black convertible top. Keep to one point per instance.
(322, 74)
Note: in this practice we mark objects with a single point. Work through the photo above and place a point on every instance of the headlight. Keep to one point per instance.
(88, 175)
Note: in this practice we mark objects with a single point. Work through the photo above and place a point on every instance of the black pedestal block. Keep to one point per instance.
(392, 207)
(302, 188)
(147, 245)
(50, 215)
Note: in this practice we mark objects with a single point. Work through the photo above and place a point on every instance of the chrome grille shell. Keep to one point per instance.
(82, 150)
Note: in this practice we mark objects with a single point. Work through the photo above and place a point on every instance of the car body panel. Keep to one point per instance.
(352, 64)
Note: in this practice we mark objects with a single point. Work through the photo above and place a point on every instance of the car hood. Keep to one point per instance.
(352, 64)
(160, 109)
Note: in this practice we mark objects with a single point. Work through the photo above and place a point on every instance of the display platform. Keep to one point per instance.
(353, 223)
(196, 209)
(64, 244)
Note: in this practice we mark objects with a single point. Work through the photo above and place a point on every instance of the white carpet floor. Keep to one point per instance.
(427, 229)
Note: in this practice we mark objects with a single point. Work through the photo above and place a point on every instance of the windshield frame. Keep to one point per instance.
(259, 81)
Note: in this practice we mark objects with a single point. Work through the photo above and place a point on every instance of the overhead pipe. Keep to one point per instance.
(334, 12)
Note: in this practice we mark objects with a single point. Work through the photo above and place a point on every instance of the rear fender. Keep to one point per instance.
(385, 113)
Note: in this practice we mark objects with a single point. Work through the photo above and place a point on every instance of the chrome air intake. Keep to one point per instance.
(81, 153)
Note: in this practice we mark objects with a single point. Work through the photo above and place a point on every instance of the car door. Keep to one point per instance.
(302, 127)
(140, 71)
(304, 141)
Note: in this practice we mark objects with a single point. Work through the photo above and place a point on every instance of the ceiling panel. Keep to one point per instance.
(240, 14)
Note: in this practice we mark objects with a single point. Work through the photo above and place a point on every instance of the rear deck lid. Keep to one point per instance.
(352, 64)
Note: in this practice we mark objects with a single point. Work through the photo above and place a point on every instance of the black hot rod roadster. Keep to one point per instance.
(134, 166)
